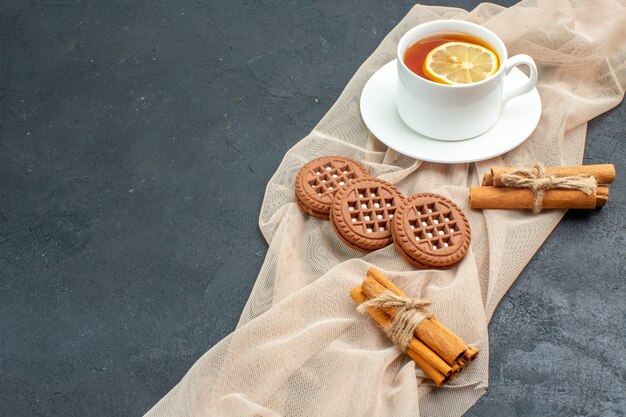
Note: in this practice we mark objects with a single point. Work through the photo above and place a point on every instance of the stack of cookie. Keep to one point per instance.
(429, 230)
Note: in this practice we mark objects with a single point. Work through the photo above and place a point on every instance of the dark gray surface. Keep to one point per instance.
(136, 139)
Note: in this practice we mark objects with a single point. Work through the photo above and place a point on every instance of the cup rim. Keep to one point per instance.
(503, 59)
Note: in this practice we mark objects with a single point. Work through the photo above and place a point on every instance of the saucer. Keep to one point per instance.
(517, 121)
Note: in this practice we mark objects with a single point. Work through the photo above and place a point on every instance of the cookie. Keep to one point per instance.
(430, 231)
(319, 180)
(362, 212)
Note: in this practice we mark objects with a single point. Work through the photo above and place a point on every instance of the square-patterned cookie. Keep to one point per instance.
(319, 180)
(362, 213)
(430, 231)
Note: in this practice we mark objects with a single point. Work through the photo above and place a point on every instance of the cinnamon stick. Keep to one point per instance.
(602, 196)
(456, 371)
(432, 373)
(471, 354)
(430, 357)
(416, 345)
(449, 332)
(487, 179)
(490, 197)
(387, 283)
(604, 173)
(425, 358)
(429, 333)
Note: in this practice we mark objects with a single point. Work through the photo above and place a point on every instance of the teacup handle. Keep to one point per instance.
(528, 86)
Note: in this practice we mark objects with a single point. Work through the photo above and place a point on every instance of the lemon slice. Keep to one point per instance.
(460, 63)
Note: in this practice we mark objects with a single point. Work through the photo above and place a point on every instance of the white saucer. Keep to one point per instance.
(517, 121)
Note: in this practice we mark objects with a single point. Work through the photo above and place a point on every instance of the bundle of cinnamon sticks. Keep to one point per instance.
(495, 194)
(440, 353)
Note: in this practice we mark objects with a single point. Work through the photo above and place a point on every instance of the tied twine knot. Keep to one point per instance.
(538, 180)
(409, 315)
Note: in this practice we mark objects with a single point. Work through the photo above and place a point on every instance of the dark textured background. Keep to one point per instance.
(136, 139)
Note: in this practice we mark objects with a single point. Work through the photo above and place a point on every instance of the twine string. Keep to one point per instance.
(539, 181)
(409, 315)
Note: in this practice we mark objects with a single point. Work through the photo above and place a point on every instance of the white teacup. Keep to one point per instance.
(456, 112)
